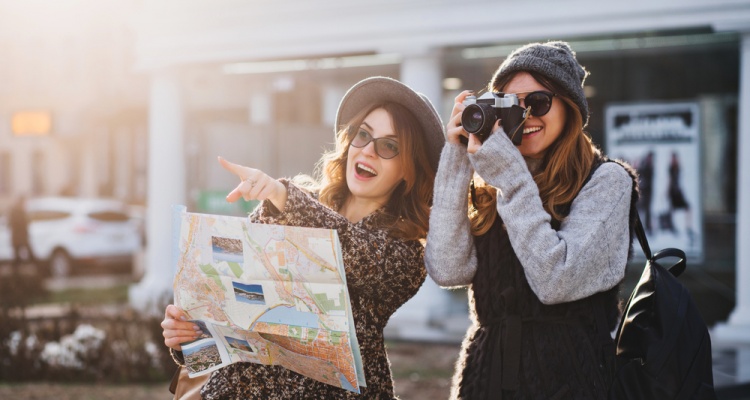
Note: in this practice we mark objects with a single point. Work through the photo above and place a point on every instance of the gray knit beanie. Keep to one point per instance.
(556, 61)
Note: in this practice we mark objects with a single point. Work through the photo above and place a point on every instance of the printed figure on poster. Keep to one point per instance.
(662, 141)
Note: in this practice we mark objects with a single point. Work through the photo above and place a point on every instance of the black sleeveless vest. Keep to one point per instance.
(520, 348)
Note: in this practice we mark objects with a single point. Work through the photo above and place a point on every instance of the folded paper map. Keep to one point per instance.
(265, 294)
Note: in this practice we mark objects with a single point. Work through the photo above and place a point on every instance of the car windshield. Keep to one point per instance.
(109, 216)
(47, 215)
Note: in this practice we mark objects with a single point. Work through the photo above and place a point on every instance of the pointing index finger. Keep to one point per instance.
(232, 167)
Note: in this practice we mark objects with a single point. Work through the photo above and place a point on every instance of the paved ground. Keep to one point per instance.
(45, 391)
(731, 365)
(421, 371)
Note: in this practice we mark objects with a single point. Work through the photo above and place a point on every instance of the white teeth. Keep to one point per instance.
(366, 168)
(531, 130)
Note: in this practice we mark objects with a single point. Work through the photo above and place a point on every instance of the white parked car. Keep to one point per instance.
(69, 232)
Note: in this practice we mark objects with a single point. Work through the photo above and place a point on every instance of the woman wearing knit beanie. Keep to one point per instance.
(545, 243)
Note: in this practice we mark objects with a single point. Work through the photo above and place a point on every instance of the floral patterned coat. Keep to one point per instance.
(382, 273)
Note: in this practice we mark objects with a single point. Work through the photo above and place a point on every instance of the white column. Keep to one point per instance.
(737, 328)
(88, 186)
(331, 97)
(261, 110)
(423, 72)
(166, 186)
(429, 315)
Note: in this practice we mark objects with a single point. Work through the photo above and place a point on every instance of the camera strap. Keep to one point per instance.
(526, 114)
(473, 191)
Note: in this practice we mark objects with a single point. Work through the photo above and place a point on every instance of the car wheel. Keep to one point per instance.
(60, 264)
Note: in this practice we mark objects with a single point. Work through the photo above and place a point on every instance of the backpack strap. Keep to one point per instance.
(640, 233)
(677, 268)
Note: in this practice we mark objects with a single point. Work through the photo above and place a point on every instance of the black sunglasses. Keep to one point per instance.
(385, 148)
(540, 101)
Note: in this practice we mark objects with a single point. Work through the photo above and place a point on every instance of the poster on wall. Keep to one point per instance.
(661, 140)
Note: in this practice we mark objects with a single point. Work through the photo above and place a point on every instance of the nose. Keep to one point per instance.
(369, 149)
(522, 103)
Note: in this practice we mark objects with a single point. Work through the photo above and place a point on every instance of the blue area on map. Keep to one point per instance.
(222, 255)
(290, 316)
(346, 385)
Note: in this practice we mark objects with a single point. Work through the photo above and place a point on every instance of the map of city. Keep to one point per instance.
(266, 294)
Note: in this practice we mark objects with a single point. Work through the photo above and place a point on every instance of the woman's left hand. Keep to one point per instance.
(455, 133)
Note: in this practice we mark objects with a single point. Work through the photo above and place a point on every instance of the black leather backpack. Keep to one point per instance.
(663, 344)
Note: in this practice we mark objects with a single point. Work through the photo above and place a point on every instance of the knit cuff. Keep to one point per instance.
(268, 212)
(499, 162)
(453, 176)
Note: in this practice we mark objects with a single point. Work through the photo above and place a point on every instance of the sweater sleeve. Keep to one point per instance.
(450, 255)
(300, 209)
(588, 254)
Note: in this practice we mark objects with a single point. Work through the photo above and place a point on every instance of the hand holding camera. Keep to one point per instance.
(481, 113)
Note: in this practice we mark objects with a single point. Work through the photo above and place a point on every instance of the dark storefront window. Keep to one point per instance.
(708, 76)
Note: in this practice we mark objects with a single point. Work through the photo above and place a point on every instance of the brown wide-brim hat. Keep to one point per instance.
(381, 89)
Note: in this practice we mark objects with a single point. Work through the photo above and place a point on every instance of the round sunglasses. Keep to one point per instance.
(540, 101)
(385, 148)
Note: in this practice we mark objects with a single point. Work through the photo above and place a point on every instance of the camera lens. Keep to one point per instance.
(472, 121)
(478, 119)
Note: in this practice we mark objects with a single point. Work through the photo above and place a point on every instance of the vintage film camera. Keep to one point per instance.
(480, 115)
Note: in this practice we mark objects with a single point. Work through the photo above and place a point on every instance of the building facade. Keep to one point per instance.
(72, 108)
(259, 83)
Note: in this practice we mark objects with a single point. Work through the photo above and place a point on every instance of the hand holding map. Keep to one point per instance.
(266, 294)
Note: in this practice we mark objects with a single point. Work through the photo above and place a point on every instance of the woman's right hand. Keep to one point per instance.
(454, 131)
(177, 329)
(255, 185)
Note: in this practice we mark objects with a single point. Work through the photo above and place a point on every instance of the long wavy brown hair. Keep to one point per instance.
(407, 212)
(562, 172)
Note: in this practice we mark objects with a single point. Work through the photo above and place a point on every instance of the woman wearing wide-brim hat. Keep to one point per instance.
(375, 190)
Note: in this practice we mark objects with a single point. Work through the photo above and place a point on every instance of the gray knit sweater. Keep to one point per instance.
(587, 255)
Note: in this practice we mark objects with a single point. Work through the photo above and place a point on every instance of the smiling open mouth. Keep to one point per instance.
(533, 129)
(365, 171)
